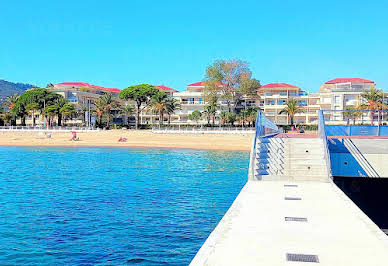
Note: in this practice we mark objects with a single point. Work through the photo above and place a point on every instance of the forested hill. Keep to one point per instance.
(9, 88)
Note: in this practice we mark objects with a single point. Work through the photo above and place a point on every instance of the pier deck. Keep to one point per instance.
(254, 231)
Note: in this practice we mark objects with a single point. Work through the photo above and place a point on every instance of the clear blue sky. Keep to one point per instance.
(121, 43)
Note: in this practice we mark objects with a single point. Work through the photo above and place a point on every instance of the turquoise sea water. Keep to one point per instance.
(112, 205)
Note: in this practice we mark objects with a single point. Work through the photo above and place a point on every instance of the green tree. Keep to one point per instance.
(107, 102)
(353, 113)
(373, 101)
(224, 117)
(172, 106)
(9, 104)
(291, 109)
(38, 97)
(60, 103)
(232, 117)
(195, 116)
(142, 95)
(159, 105)
(231, 80)
(210, 109)
(51, 111)
(32, 108)
(81, 110)
(127, 110)
(67, 111)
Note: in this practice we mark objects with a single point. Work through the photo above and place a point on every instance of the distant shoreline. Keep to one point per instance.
(135, 139)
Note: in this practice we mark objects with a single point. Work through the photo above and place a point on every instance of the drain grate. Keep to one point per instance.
(302, 257)
(295, 219)
(291, 185)
(292, 198)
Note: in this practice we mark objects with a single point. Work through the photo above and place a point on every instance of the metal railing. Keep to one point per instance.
(47, 129)
(323, 136)
(264, 128)
(356, 122)
(176, 129)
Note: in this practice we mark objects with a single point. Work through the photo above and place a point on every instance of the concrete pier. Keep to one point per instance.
(320, 221)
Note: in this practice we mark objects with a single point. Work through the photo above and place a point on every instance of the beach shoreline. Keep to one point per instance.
(141, 139)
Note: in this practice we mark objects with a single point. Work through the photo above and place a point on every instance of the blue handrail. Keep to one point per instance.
(264, 128)
(323, 136)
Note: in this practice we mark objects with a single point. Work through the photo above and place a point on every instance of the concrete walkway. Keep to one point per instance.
(254, 231)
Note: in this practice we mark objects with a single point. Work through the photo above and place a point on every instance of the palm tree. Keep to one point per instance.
(7, 117)
(211, 109)
(59, 103)
(352, 113)
(67, 111)
(81, 110)
(252, 114)
(127, 110)
(51, 111)
(224, 116)
(32, 108)
(99, 110)
(292, 108)
(374, 100)
(207, 112)
(158, 105)
(106, 104)
(172, 106)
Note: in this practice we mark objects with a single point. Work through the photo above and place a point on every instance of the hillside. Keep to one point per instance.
(8, 88)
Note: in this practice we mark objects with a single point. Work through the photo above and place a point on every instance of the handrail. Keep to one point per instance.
(323, 136)
(264, 128)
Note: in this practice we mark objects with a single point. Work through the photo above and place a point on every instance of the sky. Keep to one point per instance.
(122, 43)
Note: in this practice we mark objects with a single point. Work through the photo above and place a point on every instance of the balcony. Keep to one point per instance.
(193, 103)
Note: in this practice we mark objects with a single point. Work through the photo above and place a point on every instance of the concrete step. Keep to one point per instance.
(322, 178)
(294, 172)
(306, 167)
(301, 140)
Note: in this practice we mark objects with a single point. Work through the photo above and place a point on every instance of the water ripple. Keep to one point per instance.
(112, 206)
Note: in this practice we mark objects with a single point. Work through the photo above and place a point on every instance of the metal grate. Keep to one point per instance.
(302, 257)
(295, 219)
(292, 198)
(291, 185)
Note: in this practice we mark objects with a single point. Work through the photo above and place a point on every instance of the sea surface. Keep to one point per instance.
(112, 206)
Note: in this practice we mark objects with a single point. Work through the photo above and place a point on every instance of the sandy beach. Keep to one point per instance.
(143, 138)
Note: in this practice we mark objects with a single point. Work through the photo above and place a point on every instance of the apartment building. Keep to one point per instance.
(335, 94)
(83, 93)
(274, 96)
(341, 93)
(193, 99)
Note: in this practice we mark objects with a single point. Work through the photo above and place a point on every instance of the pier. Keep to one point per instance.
(290, 212)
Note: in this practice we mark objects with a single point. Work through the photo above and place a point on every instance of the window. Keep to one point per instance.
(336, 99)
(200, 100)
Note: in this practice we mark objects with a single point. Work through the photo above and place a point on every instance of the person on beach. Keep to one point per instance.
(122, 139)
(74, 137)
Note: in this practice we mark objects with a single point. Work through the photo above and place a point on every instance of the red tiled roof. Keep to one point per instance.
(75, 84)
(344, 80)
(165, 88)
(279, 85)
(87, 85)
(201, 83)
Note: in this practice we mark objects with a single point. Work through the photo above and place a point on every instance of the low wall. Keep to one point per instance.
(359, 157)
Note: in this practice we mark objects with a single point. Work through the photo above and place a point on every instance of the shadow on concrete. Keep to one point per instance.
(369, 194)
